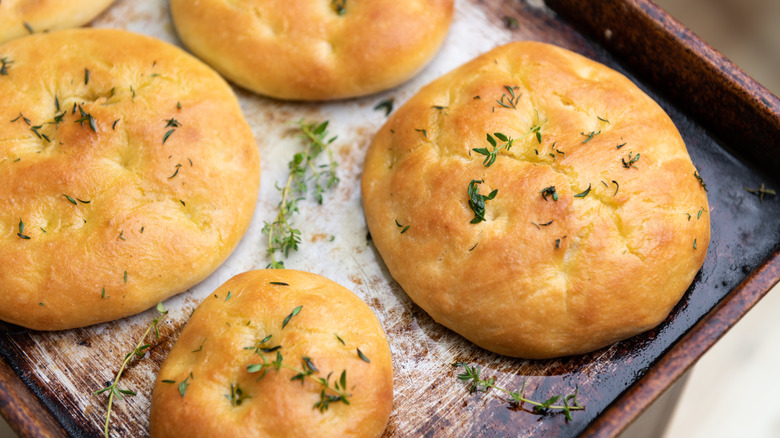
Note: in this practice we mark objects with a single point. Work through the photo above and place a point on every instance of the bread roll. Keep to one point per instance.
(598, 223)
(21, 17)
(220, 379)
(314, 49)
(128, 175)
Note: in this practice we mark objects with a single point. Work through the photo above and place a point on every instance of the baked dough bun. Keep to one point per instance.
(46, 15)
(127, 176)
(307, 50)
(252, 319)
(539, 277)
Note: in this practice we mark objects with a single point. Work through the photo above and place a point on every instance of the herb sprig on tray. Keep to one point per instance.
(304, 170)
(476, 383)
(139, 351)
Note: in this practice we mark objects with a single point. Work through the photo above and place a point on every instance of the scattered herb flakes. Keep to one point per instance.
(694, 243)
(86, 117)
(477, 201)
(28, 27)
(761, 191)
(122, 235)
(339, 338)
(228, 296)
(423, 131)
(71, 200)
(589, 135)
(509, 99)
(701, 181)
(363, 356)
(22, 118)
(236, 395)
(86, 76)
(339, 6)
(511, 23)
(168, 381)
(183, 385)
(113, 125)
(584, 193)
(293, 313)
(405, 228)
(176, 171)
(5, 64)
(200, 348)
(557, 243)
(549, 191)
(620, 145)
(386, 105)
(603, 120)
(21, 231)
(103, 293)
(631, 160)
(125, 277)
(178, 105)
(617, 187)
(279, 283)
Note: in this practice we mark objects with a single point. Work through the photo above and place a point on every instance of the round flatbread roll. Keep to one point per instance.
(276, 353)
(21, 17)
(127, 176)
(314, 49)
(537, 203)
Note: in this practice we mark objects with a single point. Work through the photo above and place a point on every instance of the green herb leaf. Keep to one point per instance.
(21, 231)
(5, 64)
(386, 105)
(477, 201)
(589, 136)
(583, 194)
(293, 313)
(549, 191)
(363, 356)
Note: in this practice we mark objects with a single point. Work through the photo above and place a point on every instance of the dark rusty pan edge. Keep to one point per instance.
(688, 350)
(677, 63)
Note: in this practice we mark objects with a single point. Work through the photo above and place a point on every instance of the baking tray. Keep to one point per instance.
(730, 124)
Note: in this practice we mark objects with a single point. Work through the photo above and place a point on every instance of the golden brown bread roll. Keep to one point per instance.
(314, 49)
(220, 378)
(127, 176)
(598, 222)
(20, 17)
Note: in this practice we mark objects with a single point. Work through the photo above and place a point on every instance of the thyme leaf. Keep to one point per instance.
(5, 64)
(386, 105)
(549, 191)
(583, 194)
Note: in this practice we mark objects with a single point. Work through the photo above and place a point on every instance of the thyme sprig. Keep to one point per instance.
(330, 393)
(477, 201)
(386, 105)
(631, 160)
(282, 236)
(139, 351)
(510, 100)
(86, 117)
(471, 376)
(492, 155)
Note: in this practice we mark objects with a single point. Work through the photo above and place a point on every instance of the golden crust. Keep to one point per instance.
(306, 50)
(212, 355)
(150, 216)
(46, 15)
(538, 278)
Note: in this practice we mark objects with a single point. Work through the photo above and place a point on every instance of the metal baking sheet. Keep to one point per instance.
(63, 369)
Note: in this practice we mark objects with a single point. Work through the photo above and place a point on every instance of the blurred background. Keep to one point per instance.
(733, 390)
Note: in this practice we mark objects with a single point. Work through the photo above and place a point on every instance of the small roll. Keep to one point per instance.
(128, 175)
(21, 17)
(536, 202)
(314, 49)
(276, 353)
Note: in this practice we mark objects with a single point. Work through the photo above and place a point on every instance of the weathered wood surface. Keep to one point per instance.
(63, 369)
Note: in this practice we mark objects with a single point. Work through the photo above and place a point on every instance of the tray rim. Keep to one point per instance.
(28, 416)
